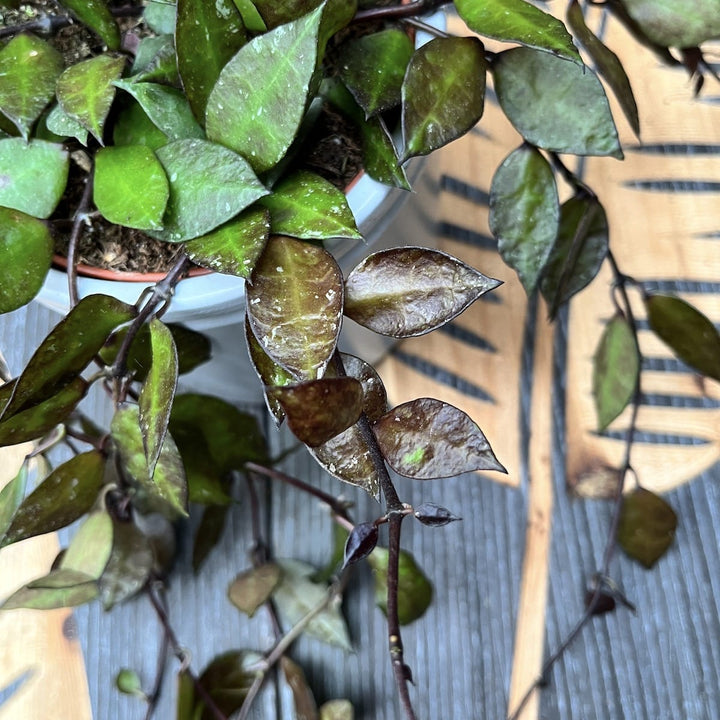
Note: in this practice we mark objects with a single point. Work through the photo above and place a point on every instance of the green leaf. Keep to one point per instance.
(209, 185)
(380, 157)
(305, 205)
(426, 439)
(90, 548)
(58, 589)
(319, 410)
(207, 482)
(85, 91)
(160, 16)
(40, 419)
(235, 247)
(405, 292)
(130, 187)
(647, 526)
(213, 31)
(32, 175)
(158, 391)
(26, 250)
(128, 682)
(96, 15)
(167, 483)
(414, 589)
(259, 100)
(11, 497)
(686, 331)
(156, 61)
(525, 213)
(250, 16)
(607, 64)
(518, 21)
(62, 125)
(134, 127)
(555, 104)
(376, 85)
(209, 533)
(443, 94)
(167, 107)
(294, 305)
(616, 367)
(67, 350)
(65, 495)
(578, 253)
(29, 68)
(296, 595)
(253, 588)
(227, 679)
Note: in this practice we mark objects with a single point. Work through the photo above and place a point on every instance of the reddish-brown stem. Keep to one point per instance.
(78, 220)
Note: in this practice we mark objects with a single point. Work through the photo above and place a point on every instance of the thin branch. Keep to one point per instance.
(154, 696)
(396, 12)
(78, 220)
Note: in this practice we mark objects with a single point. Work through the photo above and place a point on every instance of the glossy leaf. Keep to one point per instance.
(318, 410)
(234, 247)
(303, 700)
(167, 107)
(360, 543)
(134, 127)
(337, 710)
(58, 589)
(647, 526)
(688, 333)
(213, 31)
(62, 125)
(296, 595)
(90, 548)
(26, 250)
(607, 63)
(32, 175)
(68, 349)
(130, 187)
(209, 533)
(158, 391)
(525, 212)
(374, 393)
(443, 94)
(253, 588)
(380, 157)
(434, 515)
(404, 292)
(227, 680)
(305, 205)
(129, 565)
(427, 439)
(376, 85)
(258, 102)
(96, 15)
(518, 21)
(167, 483)
(66, 494)
(555, 104)
(616, 367)
(156, 61)
(578, 253)
(85, 91)
(11, 497)
(414, 589)
(209, 185)
(40, 419)
(251, 18)
(160, 16)
(29, 68)
(294, 304)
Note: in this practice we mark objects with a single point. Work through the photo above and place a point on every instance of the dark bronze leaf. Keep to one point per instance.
(360, 543)
(434, 515)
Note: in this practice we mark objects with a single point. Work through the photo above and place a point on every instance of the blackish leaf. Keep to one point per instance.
(410, 291)
(604, 604)
(647, 526)
(303, 700)
(434, 515)
(360, 543)
(227, 680)
(253, 588)
(688, 333)
(427, 438)
(374, 393)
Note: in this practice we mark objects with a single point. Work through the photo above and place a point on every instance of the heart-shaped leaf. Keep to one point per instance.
(615, 370)
(294, 305)
(235, 247)
(647, 526)
(213, 31)
(209, 185)
(524, 212)
(96, 15)
(688, 333)
(259, 99)
(29, 68)
(65, 495)
(26, 250)
(404, 292)
(85, 91)
(555, 104)
(518, 21)
(443, 94)
(253, 588)
(130, 187)
(58, 589)
(304, 205)
(319, 410)
(427, 438)
(33, 175)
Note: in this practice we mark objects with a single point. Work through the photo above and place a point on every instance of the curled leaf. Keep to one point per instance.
(360, 543)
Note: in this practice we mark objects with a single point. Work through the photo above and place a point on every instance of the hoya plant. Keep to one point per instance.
(194, 134)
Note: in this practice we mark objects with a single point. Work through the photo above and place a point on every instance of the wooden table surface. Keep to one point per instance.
(509, 579)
